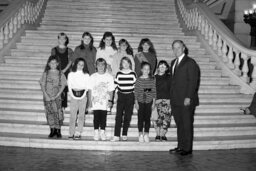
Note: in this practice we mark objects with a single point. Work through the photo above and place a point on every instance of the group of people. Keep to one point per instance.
(95, 78)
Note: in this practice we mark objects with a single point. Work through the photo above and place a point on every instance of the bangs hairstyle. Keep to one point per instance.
(143, 64)
(183, 44)
(151, 46)
(82, 45)
(74, 66)
(129, 49)
(125, 59)
(163, 62)
(66, 37)
(101, 60)
(51, 58)
(105, 35)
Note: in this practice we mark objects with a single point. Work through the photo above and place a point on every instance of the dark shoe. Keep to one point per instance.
(71, 137)
(185, 153)
(77, 137)
(175, 150)
(52, 133)
(58, 133)
(157, 138)
(163, 138)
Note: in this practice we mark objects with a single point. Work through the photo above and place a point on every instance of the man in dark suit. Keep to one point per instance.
(185, 80)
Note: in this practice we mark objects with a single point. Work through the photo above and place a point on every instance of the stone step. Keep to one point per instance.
(115, 3)
(200, 121)
(42, 53)
(43, 59)
(34, 85)
(113, 29)
(43, 130)
(125, 25)
(38, 104)
(209, 143)
(34, 76)
(40, 67)
(12, 93)
(101, 18)
(47, 43)
(99, 34)
(75, 39)
(117, 10)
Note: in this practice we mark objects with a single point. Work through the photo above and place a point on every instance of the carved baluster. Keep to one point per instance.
(215, 39)
(199, 22)
(210, 34)
(19, 20)
(1, 38)
(206, 30)
(224, 52)
(245, 68)
(253, 62)
(6, 33)
(11, 28)
(26, 12)
(202, 26)
(15, 22)
(230, 58)
(22, 15)
(237, 70)
(219, 45)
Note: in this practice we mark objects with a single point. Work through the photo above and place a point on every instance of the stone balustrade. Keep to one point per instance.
(20, 13)
(222, 41)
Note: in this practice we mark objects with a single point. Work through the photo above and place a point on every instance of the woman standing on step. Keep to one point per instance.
(53, 82)
(65, 55)
(107, 49)
(78, 85)
(163, 119)
(125, 49)
(146, 53)
(87, 51)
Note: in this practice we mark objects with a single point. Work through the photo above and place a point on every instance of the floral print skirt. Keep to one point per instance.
(164, 113)
(54, 113)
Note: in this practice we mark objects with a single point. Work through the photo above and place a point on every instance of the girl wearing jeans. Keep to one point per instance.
(78, 84)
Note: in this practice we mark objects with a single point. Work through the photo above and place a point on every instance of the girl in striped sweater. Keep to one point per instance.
(125, 80)
(145, 95)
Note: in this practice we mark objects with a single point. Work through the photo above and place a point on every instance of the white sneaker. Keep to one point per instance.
(96, 135)
(115, 139)
(103, 135)
(141, 138)
(146, 138)
(124, 138)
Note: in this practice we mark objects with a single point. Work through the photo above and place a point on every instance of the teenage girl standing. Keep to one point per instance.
(145, 95)
(146, 53)
(78, 85)
(162, 123)
(107, 49)
(125, 80)
(87, 51)
(125, 50)
(52, 83)
(65, 55)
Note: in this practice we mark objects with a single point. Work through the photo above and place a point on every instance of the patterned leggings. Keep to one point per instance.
(164, 114)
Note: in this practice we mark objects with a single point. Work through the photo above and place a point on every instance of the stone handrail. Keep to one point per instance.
(229, 49)
(17, 14)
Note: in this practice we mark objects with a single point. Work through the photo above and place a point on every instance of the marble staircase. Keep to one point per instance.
(219, 123)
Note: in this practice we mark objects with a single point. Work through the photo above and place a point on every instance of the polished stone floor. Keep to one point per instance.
(29, 159)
